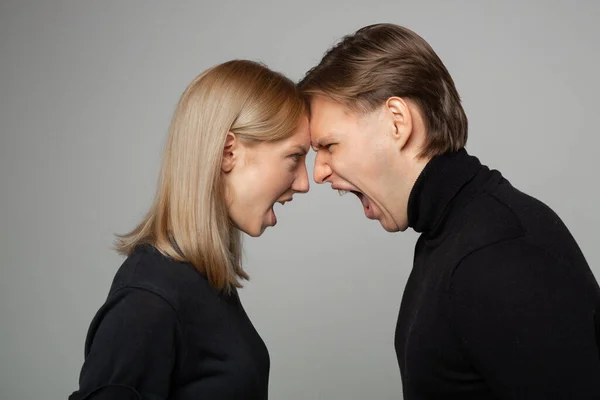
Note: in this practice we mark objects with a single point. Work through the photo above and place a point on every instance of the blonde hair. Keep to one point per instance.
(188, 220)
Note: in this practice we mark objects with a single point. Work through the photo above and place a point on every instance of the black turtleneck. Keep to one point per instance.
(501, 303)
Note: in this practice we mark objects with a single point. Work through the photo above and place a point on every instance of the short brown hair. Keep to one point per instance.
(188, 220)
(384, 60)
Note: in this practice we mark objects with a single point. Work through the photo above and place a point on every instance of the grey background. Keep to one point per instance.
(86, 94)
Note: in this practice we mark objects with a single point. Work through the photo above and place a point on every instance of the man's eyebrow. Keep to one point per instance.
(319, 143)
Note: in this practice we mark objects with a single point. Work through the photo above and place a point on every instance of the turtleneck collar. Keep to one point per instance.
(437, 185)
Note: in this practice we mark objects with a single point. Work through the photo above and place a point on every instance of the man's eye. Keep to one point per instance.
(328, 147)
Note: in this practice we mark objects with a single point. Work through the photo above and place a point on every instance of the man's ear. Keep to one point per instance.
(401, 118)
(229, 152)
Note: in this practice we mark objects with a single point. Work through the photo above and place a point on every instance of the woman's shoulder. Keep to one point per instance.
(146, 268)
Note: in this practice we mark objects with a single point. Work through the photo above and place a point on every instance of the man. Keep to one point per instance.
(500, 303)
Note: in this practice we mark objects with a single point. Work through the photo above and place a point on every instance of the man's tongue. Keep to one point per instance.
(363, 199)
(369, 212)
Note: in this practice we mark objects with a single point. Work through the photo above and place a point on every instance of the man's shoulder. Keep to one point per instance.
(484, 221)
(506, 224)
(531, 211)
(503, 212)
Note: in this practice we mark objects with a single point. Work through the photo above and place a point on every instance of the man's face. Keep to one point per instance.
(358, 154)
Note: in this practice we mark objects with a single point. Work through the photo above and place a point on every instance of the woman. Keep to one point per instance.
(173, 326)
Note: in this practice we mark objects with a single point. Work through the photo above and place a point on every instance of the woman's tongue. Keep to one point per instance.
(271, 217)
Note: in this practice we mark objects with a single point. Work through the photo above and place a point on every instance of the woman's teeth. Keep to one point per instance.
(342, 192)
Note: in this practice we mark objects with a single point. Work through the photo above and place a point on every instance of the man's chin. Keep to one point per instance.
(391, 227)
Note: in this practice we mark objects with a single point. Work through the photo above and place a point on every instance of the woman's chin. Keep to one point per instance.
(257, 229)
(254, 232)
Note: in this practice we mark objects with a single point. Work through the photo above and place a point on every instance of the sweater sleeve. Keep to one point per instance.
(131, 349)
(526, 323)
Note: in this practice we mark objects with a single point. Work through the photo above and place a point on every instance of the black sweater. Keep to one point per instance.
(500, 303)
(165, 333)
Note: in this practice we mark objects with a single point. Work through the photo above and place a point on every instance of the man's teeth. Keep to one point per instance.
(342, 192)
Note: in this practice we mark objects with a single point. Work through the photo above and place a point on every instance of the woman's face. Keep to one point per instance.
(259, 175)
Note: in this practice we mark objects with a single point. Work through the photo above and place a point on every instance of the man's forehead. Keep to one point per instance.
(321, 120)
(317, 127)
(318, 139)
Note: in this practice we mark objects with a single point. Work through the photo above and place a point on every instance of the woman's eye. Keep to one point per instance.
(296, 157)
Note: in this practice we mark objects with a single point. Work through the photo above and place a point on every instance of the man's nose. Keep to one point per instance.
(322, 170)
